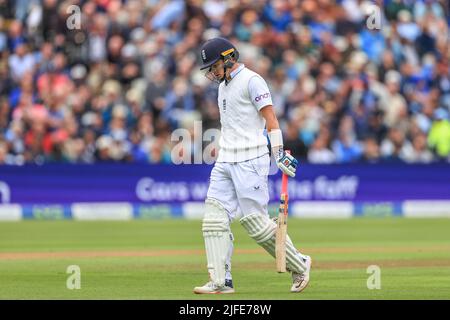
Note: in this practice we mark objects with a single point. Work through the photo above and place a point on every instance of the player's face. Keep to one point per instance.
(216, 71)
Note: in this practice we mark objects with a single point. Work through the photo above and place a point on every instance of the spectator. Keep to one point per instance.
(97, 38)
(420, 152)
(179, 101)
(248, 25)
(277, 13)
(371, 153)
(5, 114)
(4, 152)
(439, 135)
(392, 102)
(345, 147)
(320, 153)
(215, 10)
(158, 152)
(406, 27)
(21, 62)
(395, 147)
(3, 37)
(293, 142)
(373, 44)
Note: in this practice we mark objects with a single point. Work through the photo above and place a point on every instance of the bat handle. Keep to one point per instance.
(284, 179)
(284, 183)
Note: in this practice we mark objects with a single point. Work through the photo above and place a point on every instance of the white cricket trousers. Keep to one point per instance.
(241, 187)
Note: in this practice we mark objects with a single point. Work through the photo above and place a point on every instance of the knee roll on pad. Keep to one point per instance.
(218, 239)
(215, 218)
(259, 227)
(262, 229)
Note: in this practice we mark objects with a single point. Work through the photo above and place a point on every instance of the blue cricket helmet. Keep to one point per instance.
(215, 49)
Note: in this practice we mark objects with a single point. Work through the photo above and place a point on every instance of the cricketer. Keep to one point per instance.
(239, 179)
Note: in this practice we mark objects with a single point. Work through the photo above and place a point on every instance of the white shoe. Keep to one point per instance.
(301, 280)
(210, 287)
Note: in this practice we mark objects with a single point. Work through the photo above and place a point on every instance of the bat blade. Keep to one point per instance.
(281, 232)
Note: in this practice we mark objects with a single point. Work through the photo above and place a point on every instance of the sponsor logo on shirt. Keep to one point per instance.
(262, 96)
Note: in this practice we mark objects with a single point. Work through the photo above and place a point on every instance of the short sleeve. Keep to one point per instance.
(259, 92)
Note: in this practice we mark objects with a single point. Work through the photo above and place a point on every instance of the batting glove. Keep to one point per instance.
(287, 163)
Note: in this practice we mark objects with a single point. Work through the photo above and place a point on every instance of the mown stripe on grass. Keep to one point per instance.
(358, 264)
(186, 252)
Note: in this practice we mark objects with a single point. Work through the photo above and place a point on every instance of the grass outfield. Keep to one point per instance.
(164, 259)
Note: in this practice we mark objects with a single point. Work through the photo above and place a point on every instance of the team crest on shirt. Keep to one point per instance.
(224, 105)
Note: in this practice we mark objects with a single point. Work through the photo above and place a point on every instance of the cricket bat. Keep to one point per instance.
(280, 240)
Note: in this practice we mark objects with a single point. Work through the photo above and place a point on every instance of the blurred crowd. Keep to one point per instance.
(110, 80)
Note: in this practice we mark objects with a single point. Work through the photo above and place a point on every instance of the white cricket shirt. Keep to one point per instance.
(242, 125)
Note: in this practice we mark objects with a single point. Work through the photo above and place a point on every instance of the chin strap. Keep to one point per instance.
(225, 75)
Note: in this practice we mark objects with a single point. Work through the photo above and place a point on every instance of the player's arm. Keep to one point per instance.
(269, 115)
(261, 99)
(286, 162)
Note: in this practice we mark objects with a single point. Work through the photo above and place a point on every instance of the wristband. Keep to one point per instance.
(276, 138)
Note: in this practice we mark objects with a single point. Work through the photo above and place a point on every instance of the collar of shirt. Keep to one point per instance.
(235, 72)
